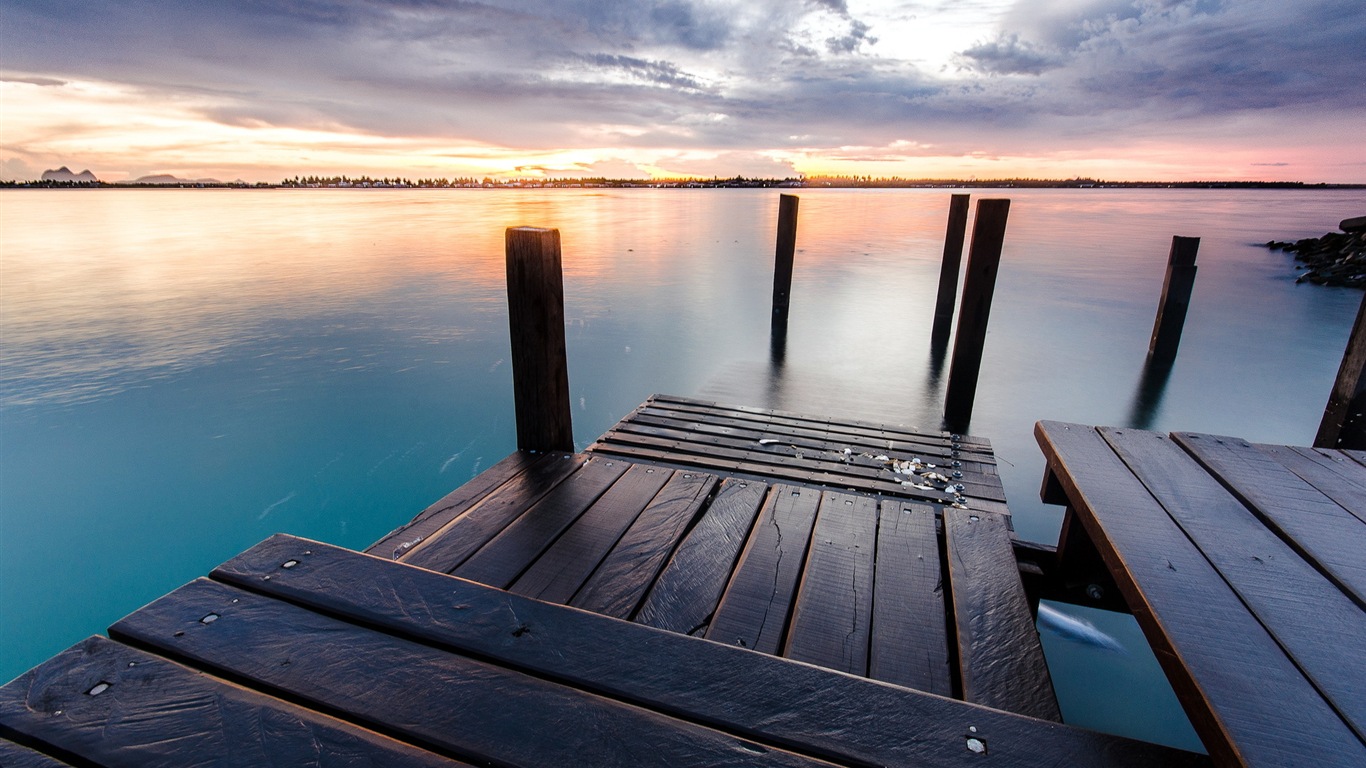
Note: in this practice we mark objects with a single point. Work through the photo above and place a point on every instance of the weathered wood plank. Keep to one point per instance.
(1334, 475)
(1280, 588)
(686, 594)
(754, 609)
(540, 369)
(909, 635)
(485, 713)
(808, 454)
(852, 428)
(499, 562)
(759, 463)
(1319, 529)
(809, 443)
(563, 569)
(453, 504)
(18, 756)
(1246, 699)
(797, 706)
(152, 713)
(449, 546)
(619, 584)
(1000, 658)
(832, 613)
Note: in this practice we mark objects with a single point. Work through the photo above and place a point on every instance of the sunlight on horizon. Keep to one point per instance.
(115, 131)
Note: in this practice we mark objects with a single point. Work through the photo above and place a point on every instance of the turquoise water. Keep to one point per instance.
(184, 372)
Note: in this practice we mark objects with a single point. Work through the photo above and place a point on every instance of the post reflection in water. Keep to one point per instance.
(1152, 387)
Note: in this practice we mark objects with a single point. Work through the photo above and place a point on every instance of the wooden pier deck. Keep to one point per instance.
(706, 585)
(1244, 564)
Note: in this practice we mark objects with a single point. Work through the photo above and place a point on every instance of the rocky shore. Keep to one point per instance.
(1337, 258)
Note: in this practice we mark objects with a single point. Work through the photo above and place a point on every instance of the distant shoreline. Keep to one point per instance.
(734, 183)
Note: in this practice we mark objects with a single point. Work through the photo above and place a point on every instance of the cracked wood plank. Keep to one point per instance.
(832, 614)
(754, 610)
(1000, 659)
(686, 594)
(909, 634)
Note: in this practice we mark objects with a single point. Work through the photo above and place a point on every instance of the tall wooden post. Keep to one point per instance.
(984, 257)
(1176, 298)
(1344, 420)
(948, 270)
(782, 258)
(540, 372)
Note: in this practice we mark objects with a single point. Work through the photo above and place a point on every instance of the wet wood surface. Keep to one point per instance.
(1253, 635)
(301, 653)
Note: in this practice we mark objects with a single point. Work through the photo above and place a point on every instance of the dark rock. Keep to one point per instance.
(1356, 224)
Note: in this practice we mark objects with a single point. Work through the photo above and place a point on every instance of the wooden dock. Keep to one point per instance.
(1244, 564)
(706, 584)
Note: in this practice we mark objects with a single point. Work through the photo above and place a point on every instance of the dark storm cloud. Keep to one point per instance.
(1008, 55)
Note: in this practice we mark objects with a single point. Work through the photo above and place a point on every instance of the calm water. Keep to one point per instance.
(183, 373)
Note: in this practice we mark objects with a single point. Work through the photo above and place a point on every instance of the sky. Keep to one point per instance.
(262, 90)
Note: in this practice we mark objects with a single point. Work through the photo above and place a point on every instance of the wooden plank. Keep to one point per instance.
(1320, 530)
(754, 609)
(766, 698)
(1318, 626)
(1334, 475)
(448, 547)
(1246, 699)
(832, 613)
(758, 463)
(563, 569)
(809, 443)
(909, 636)
(686, 594)
(1000, 658)
(810, 454)
(1355, 455)
(152, 713)
(486, 713)
(847, 428)
(454, 504)
(499, 562)
(18, 756)
(619, 584)
(782, 259)
(948, 268)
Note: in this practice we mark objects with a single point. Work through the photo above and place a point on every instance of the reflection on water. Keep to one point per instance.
(183, 373)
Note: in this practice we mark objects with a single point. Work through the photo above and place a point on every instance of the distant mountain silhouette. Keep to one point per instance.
(166, 178)
(65, 174)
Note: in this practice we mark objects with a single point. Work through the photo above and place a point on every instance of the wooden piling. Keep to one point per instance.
(1344, 419)
(782, 259)
(1176, 298)
(540, 372)
(948, 271)
(984, 256)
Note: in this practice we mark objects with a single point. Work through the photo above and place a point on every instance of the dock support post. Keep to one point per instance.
(782, 259)
(948, 271)
(540, 372)
(1344, 420)
(984, 257)
(1176, 298)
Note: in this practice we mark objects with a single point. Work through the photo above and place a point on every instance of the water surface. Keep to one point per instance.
(185, 372)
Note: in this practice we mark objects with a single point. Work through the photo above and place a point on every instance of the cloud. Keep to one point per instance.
(1009, 55)
(714, 77)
